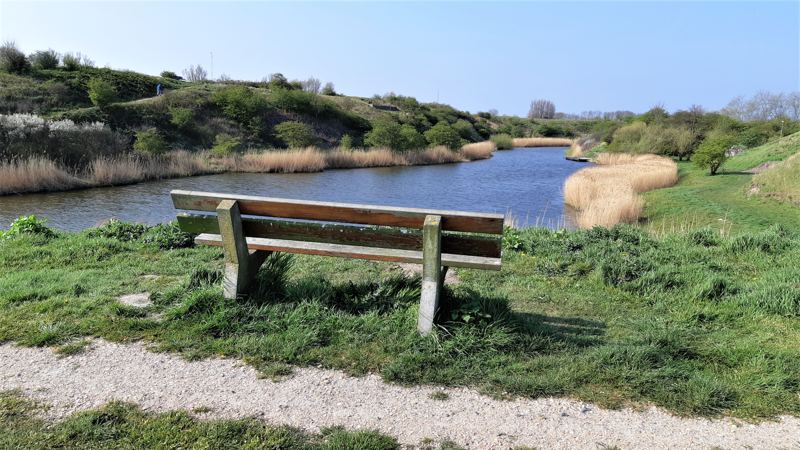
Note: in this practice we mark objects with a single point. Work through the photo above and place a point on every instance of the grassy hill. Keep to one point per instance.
(725, 201)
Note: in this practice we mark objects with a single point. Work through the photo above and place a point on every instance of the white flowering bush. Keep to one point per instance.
(23, 136)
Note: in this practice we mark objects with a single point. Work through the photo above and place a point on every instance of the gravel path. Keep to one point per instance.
(314, 398)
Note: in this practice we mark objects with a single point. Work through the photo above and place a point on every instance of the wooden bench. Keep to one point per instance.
(436, 239)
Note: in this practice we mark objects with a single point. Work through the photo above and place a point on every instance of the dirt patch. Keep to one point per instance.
(413, 270)
(141, 300)
(763, 167)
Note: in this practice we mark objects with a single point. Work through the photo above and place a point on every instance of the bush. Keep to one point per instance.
(711, 153)
(225, 144)
(443, 134)
(242, 105)
(385, 133)
(150, 142)
(167, 236)
(28, 225)
(181, 117)
(466, 131)
(12, 60)
(552, 130)
(346, 142)
(502, 141)
(44, 59)
(76, 61)
(411, 139)
(295, 134)
(101, 92)
(121, 231)
(171, 75)
(328, 89)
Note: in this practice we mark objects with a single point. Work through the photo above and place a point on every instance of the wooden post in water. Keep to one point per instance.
(241, 265)
(431, 273)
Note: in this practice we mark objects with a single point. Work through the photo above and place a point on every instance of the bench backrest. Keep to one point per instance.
(463, 233)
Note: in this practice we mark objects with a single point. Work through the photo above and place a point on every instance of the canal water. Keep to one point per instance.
(527, 183)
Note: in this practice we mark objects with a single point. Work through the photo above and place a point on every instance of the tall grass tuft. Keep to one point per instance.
(542, 142)
(608, 194)
(781, 182)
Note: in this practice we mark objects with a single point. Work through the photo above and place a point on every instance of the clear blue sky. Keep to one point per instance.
(475, 56)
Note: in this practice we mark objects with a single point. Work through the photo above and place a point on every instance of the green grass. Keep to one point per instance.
(777, 150)
(697, 323)
(721, 202)
(120, 425)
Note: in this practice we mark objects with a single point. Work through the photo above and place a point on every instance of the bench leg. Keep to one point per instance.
(432, 273)
(241, 264)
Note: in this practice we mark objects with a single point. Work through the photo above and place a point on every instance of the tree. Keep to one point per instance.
(171, 75)
(443, 134)
(44, 59)
(328, 89)
(278, 80)
(711, 153)
(311, 85)
(12, 60)
(295, 134)
(542, 109)
(101, 92)
(195, 73)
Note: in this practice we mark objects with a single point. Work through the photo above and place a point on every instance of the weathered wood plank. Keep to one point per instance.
(431, 273)
(368, 236)
(341, 212)
(353, 251)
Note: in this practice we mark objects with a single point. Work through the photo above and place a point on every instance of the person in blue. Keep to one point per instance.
(158, 89)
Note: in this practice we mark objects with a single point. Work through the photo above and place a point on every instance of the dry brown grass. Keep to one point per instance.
(281, 161)
(35, 175)
(434, 155)
(542, 142)
(478, 150)
(377, 157)
(607, 194)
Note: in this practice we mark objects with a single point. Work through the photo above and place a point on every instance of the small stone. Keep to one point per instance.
(141, 300)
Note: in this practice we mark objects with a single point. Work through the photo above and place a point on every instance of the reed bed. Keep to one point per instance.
(35, 175)
(607, 194)
(478, 150)
(542, 142)
(41, 174)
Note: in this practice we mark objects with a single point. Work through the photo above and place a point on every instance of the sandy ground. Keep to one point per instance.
(314, 398)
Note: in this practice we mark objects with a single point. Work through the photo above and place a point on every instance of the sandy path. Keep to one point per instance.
(313, 398)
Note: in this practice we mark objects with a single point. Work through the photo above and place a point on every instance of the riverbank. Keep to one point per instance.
(43, 175)
(660, 334)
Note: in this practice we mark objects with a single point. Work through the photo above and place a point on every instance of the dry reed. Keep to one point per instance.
(377, 157)
(282, 161)
(542, 142)
(607, 194)
(35, 175)
(478, 150)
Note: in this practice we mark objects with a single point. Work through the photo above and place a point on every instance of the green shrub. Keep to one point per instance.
(502, 141)
(171, 75)
(295, 134)
(119, 230)
(44, 59)
(411, 139)
(28, 225)
(12, 60)
(150, 142)
(346, 142)
(243, 105)
(705, 237)
(553, 130)
(466, 130)
(101, 92)
(328, 89)
(225, 144)
(385, 133)
(181, 117)
(167, 236)
(75, 61)
(443, 134)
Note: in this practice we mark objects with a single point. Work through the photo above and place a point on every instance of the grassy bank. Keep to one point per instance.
(120, 425)
(781, 182)
(608, 193)
(699, 323)
(39, 174)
